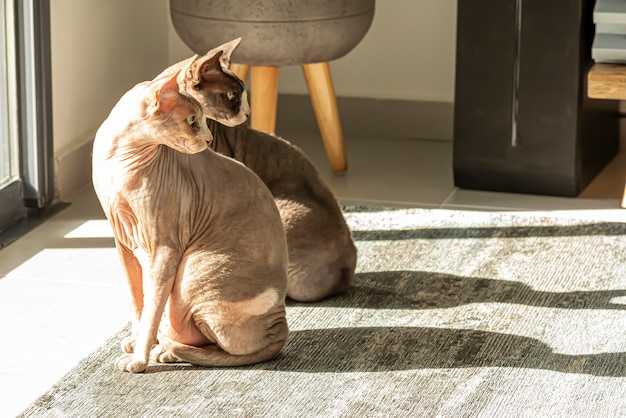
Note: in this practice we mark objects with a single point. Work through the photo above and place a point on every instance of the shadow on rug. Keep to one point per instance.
(453, 313)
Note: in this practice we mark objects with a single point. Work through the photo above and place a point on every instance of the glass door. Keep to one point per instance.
(12, 207)
(26, 158)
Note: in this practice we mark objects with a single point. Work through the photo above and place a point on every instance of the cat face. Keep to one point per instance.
(179, 119)
(221, 94)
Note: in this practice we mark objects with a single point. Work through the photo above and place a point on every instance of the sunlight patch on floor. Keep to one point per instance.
(96, 228)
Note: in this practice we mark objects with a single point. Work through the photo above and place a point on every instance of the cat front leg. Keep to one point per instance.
(157, 286)
(132, 269)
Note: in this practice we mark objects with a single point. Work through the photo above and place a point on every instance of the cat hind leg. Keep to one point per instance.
(252, 341)
(311, 279)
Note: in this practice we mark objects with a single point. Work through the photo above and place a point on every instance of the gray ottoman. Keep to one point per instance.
(275, 33)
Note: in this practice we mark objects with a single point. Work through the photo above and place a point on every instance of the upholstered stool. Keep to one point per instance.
(277, 33)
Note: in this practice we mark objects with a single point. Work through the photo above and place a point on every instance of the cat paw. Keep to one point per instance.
(128, 345)
(161, 355)
(126, 363)
(167, 357)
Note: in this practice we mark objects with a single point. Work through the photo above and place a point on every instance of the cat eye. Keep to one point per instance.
(191, 120)
(230, 95)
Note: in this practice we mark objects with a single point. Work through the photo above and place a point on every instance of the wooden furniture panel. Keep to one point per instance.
(607, 81)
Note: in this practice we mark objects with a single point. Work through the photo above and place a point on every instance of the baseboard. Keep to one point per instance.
(385, 118)
(73, 168)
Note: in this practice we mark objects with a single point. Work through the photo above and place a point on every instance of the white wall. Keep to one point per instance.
(408, 53)
(99, 50)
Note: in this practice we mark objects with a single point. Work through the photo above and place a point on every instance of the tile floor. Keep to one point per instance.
(61, 287)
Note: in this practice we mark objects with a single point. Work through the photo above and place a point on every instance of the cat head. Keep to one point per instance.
(174, 118)
(221, 93)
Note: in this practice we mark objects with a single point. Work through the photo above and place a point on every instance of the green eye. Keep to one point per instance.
(191, 120)
(230, 95)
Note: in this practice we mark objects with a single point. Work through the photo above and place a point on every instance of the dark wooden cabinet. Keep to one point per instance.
(523, 122)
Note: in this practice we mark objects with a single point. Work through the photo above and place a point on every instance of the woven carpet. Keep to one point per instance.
(452, 314)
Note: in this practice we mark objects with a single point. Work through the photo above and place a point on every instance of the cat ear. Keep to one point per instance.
(204, 67)
(165, 97)
(210, 67)
(227, 51)
(213, 62)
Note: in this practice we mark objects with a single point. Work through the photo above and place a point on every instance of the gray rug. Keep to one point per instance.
(452, 314)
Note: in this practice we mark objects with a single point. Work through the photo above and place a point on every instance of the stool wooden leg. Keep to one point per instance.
(240, 70)
(322, 94)
(264, 98)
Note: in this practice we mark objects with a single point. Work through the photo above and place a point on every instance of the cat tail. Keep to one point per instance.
(212, 355)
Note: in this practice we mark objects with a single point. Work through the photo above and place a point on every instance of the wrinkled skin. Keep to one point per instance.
(198, 234)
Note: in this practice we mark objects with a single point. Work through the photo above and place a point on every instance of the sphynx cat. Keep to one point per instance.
(322, 254)
(199, 235)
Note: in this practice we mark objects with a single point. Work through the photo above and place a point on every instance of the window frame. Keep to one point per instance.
(26, 109)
